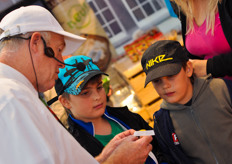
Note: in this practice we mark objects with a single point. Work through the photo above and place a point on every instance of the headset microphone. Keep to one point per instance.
(48, 51)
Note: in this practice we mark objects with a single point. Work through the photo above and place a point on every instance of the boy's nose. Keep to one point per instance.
(166, 83)
(96, 95)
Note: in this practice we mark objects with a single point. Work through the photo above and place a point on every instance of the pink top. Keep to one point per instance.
(207, 45)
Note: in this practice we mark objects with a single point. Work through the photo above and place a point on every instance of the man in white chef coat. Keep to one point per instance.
(31, 47)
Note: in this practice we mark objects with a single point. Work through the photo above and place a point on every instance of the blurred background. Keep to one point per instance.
(117, 33)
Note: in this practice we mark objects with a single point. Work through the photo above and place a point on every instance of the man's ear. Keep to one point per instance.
(64, 101)
(189, 68)
(34, 42)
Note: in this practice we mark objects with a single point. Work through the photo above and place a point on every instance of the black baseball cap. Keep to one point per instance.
(163, 58)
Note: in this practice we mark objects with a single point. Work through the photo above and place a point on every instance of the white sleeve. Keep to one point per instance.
(30, 134)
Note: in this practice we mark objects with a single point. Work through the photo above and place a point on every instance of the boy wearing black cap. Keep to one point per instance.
(194, 124)
(93, 124)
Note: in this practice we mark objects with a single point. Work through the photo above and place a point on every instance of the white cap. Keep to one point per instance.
(36, 18)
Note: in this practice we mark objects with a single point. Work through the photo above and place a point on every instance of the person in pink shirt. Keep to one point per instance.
(206, 31)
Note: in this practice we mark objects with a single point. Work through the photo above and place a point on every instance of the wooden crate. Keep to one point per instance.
(137, 82)
(145, 95)
(144, 114)
(151, 109)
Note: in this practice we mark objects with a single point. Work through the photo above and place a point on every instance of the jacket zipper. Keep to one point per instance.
(202, 133)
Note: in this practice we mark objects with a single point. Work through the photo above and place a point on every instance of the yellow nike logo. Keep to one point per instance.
(158, 59)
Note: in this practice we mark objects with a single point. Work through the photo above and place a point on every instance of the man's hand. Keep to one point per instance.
(113, 144)
(199, 67)
(126, 148)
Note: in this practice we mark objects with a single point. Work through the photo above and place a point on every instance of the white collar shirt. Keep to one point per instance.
(29, 132)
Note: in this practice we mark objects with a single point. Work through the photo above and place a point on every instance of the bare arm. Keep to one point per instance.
(218, 66)
(199, 67)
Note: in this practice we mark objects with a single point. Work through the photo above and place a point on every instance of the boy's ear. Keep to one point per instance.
(189, 69)
(64, 102)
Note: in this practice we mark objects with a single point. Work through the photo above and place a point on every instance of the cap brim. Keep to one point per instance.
(72, 42)
(90, 74)
(60, 85)
(164, 70)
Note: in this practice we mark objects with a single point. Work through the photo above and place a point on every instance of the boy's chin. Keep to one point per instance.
(172, 101)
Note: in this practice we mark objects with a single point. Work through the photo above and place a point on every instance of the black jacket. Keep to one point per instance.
(164, 130)
(127, 118)
(220, 65)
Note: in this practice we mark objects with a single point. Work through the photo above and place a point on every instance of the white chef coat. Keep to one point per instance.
(29, 133)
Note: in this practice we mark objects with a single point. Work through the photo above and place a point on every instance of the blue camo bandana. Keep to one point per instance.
(73, 77)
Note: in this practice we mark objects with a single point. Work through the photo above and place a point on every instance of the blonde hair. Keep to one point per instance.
(187, 8)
